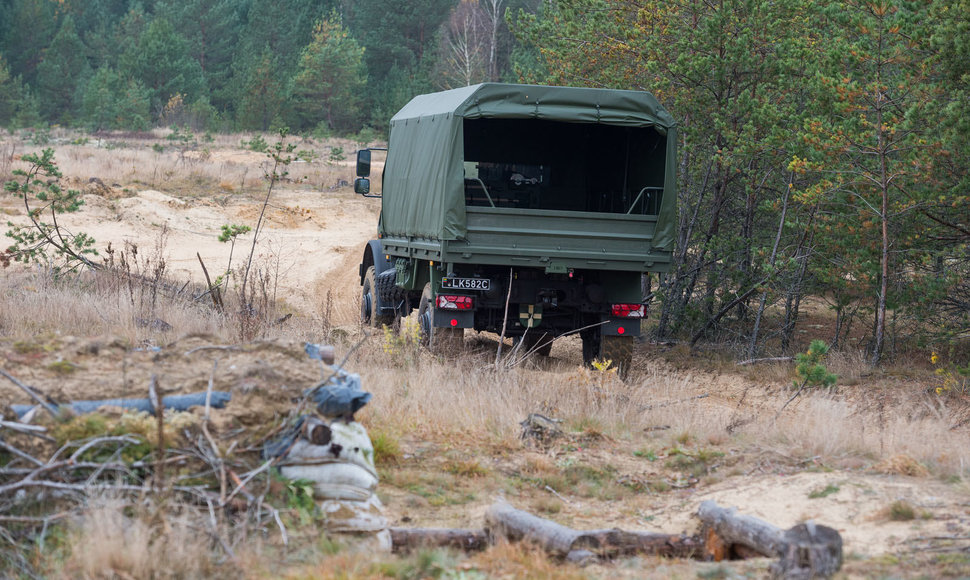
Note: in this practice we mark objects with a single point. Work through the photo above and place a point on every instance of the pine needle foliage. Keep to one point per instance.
(47, 243)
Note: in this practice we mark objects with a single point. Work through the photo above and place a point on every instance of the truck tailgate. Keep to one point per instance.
(558, 240)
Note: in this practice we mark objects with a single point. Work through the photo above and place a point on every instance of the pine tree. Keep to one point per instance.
(162, 62)
(877, 157)
(111, 102)
(400, 41)
(331, 78)
(9, 92)
(273, 34)
(264, 96)
(98, 22)
(212, 30)
(125, 37)
(30, 26)
(60, 72)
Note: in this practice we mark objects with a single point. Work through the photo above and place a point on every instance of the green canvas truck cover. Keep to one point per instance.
(423, 189)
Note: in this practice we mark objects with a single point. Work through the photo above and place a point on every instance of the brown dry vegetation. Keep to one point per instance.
(640, 454)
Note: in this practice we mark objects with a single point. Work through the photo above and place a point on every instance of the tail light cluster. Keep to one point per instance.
(628, 310)
(454, 302)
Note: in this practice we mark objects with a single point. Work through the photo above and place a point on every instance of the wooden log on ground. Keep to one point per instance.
(502, 520)
(805, 551)
(409, 539)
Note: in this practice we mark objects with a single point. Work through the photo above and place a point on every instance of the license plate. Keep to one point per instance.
(466, 283)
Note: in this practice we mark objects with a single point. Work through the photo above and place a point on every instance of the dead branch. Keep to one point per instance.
(761, 360)
(241, 485)
(279, 523)
(69, 464)
(219, 465)
(31, 392)
(86, 488)
(501, 338)
(793, 397)
(739, 299)
(160, 422)
(35, 520)
(214, 291)
(92, 443)
(21, 454)
(24, 427)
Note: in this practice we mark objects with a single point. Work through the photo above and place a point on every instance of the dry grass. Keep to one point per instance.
(470, 402)
(149, 160)
(475, 403)
(36, 304)
(110, 542)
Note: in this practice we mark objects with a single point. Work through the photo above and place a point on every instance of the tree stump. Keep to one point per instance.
(812, 551)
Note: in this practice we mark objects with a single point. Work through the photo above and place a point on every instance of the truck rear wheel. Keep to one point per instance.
(443, 341)
(591, 345)
(370, 303)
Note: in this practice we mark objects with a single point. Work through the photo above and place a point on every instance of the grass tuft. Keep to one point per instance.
(901, 511)
(823, 492)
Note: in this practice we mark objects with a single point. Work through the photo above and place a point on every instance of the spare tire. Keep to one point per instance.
(388, 290)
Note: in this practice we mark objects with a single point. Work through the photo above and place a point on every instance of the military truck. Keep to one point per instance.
(528, 210)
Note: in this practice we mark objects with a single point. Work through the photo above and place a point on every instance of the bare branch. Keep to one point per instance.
(33, 394)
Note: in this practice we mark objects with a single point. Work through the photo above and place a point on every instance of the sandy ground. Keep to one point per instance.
(317, 237)
(305, 237)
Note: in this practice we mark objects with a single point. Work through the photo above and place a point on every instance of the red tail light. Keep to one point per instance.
(454, 302)
(628, 311)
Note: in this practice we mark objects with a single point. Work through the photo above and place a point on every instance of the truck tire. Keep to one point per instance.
(369, 303)
(618, 349)
(388, 290)
(539, 343)
(444, 341)
(591, 345)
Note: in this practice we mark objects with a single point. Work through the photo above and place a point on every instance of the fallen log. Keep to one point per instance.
(172, 402)
(807, 550)
(769, 359)
(410, 539)
(502, 520)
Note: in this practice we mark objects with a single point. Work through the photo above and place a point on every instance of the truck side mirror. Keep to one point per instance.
(362, 185)
(363, 164)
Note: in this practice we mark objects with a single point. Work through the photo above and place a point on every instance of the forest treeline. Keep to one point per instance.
(824, 150)
(310, 65)
(824, 154)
